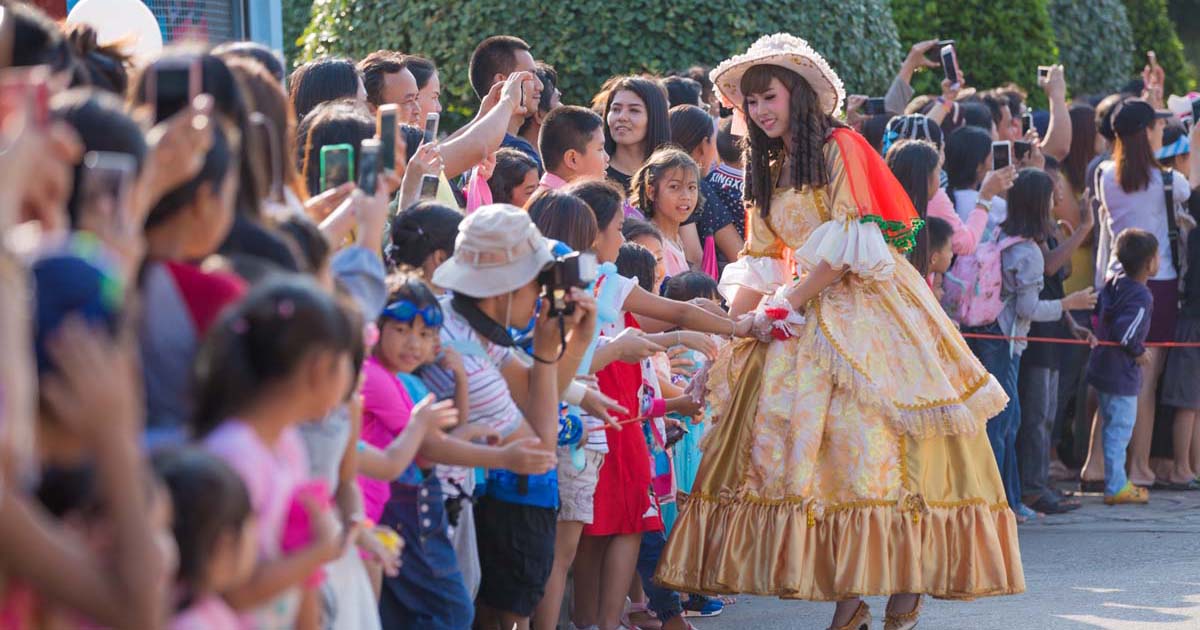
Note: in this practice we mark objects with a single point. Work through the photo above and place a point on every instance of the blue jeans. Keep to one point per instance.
(663, 602)
(1002, 430)
(428, 594)
(1119, 414)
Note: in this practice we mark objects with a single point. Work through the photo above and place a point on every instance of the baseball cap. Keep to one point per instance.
(1135, 115)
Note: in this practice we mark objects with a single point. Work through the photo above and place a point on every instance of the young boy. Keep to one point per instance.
(940, 253)
(1125, 306)
(572, 147)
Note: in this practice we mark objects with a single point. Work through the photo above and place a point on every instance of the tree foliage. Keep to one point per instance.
(1095, 44)
(1153, 30)
(588, 41)
(996, 42)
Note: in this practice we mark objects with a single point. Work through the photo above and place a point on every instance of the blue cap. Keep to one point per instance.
(76, 280)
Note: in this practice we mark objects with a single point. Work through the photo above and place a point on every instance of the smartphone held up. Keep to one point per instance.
(337, 165)
(385, 130)
(950, 66)
(368, 166)
(1002, 155)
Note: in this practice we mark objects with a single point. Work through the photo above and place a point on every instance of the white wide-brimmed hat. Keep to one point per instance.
(498, 250)
(785, 51)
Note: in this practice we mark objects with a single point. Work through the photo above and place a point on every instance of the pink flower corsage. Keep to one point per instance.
(775, 319)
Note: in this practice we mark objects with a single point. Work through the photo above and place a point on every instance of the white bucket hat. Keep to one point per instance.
(498, 250)
(785, 51)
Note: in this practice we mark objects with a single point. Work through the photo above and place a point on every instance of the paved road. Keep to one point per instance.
(1109, 568)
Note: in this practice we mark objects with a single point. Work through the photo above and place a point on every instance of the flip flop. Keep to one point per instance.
(1046, 506)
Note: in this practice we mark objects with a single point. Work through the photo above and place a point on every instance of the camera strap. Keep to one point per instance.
(491, 330)
(1168, 181)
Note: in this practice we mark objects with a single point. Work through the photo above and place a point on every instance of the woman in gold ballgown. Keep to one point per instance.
(850, 458)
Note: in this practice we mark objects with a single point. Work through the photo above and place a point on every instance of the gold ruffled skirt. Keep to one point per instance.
(816, 484)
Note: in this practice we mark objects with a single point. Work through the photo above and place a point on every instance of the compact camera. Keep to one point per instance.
(574, 270)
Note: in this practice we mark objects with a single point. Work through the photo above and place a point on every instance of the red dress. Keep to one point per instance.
(624, 503)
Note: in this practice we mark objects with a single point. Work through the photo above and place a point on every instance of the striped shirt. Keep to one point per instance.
(491, 400)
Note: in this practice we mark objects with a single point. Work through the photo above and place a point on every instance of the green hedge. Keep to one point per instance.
(591, 40)
(1094, 64)
(296, 15)
(1153, 30)
(997, 42)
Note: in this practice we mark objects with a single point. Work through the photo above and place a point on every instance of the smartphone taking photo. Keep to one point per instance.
(875, 107)
(431, 128)
(385, 130)
(337, 165)
(1043, 76)
(368, 166)
(950, 66)
(1026, 123)
(172, 85)
(429, 186)
(1021, 150)
(1002, 155)
(106, 186)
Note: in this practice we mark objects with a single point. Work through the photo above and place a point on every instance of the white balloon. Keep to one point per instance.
(129, 22)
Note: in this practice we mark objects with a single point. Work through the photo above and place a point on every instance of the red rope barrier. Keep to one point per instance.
(1082, 342)
(620, 423)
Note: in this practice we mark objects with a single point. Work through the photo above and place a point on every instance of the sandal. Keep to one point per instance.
(1046, 506)
(640, 608)
(1129, 495)
(1025, 515)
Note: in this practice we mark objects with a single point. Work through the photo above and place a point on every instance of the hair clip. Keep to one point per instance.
(239, 326)
(286, 309)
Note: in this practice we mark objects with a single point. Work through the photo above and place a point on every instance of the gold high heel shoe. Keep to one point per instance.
(860, 621)
(903, 621)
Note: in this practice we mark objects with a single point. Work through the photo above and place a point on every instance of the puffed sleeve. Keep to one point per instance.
(761, 266)
(844, 241)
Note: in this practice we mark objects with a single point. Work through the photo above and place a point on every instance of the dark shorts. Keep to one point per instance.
(1181, 378)
(1166, 309)
(516, 553)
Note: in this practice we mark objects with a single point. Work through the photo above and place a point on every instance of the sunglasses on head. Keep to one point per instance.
(404, 311)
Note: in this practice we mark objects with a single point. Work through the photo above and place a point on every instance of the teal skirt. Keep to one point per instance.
(687, 462)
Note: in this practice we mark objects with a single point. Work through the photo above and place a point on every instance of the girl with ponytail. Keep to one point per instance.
(282, 356)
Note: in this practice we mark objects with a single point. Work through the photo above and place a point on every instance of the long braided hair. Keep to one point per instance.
(810, 127)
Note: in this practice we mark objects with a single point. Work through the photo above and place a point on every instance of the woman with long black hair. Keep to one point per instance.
(850, 457)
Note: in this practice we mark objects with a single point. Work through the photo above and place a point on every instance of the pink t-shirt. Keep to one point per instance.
(272, 473)
(966, 235)
(207, 614)
(674, 260)
(386, 410)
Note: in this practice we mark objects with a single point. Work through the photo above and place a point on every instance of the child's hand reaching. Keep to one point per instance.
(477, 432)
(370, 543)
(95, 389)
(681, 364)
(528, 457)
(330, 538)
(601, 407)
(632, 345)
(699, 342)
(452, 361)
(432, 414)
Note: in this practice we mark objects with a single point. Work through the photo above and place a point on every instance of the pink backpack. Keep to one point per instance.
(971, 289)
